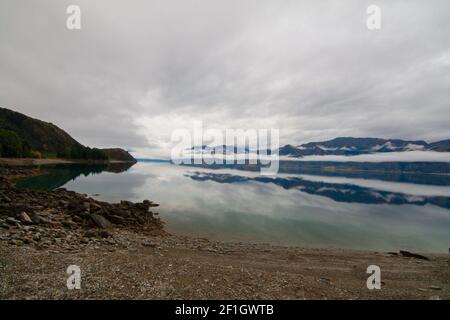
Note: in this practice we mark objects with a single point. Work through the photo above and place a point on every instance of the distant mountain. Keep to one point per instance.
(225, 149)
(22, 136)
(290, 150)
(345, 146)
(442, 146)
(354, 146)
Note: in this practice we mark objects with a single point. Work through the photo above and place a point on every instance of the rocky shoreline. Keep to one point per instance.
(124, 252)
(62, 218)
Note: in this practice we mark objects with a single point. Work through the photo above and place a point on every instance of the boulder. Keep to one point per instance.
(413, 255)
(126, 203)
(120, 212)
(24, 218)
(87, 206)
(116, 219)
(69, 224)
(12, 221)
(100, 221)
(82, 214)
(150, 203)
(64, 203)
(74, 205)
(38, 219)
(95, 207)
(4, 225)
(90, 234)
(77, 219)
(104, 234)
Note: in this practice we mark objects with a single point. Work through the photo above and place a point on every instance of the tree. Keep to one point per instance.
(10, 144)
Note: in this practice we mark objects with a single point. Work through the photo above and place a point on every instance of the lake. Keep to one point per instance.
(310, 208)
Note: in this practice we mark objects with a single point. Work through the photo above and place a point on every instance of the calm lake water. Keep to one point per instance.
(313, 209)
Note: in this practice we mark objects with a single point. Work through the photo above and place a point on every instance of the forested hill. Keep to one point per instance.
(25, 137)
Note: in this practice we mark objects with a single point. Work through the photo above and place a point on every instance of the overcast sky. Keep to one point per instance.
(137, 70)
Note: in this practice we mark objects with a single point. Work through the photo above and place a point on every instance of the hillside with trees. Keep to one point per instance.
(25, 137)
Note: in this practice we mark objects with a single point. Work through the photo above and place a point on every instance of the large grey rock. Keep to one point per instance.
(87, 206)
(95, 207)
(100, 221)
(117, 219)
(38, 219)
(126, 203)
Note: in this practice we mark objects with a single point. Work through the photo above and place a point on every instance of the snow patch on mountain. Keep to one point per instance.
(402, 156)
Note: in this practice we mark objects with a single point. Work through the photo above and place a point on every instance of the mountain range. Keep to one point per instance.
(354, 146)
(344, 146)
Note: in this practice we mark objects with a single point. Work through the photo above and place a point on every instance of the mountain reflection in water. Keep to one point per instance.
(336, 191)
(308, 205)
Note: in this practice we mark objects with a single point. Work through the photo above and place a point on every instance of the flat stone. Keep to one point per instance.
(116, 219)
(413, 255)
(12, 221)
(435, 288)
(90, 234)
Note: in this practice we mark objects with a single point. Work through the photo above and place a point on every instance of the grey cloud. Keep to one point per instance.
(312, 69)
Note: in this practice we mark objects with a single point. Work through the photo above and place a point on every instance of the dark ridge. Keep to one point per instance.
(24, 137)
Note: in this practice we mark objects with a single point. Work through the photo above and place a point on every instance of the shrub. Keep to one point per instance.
(35, 154)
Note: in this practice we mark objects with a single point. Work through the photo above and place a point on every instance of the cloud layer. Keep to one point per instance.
(137, 70)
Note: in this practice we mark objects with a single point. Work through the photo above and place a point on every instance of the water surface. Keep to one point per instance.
(317, 208)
